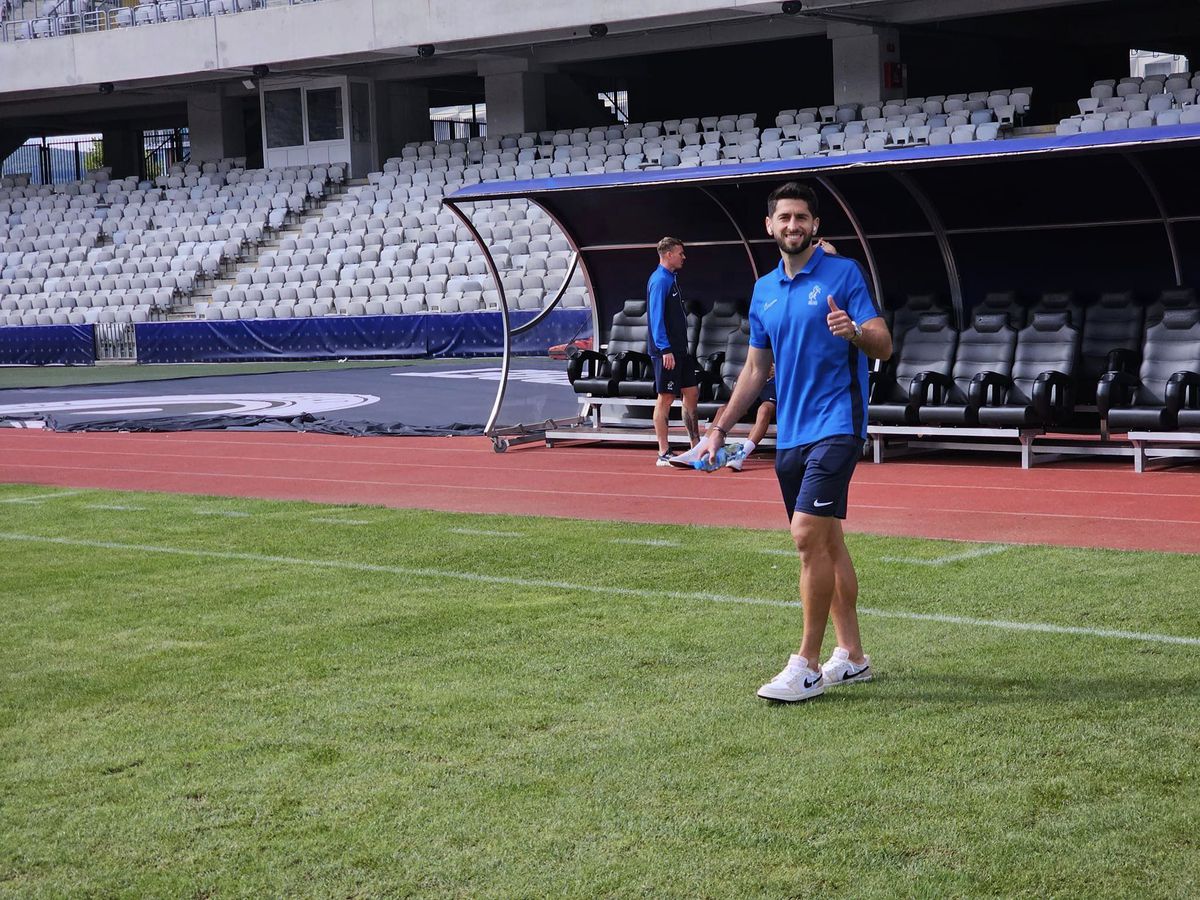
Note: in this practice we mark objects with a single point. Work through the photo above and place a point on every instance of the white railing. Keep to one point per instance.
(147, 13)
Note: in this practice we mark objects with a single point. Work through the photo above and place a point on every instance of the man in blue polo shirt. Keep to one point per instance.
(814, 317)
(674, 374)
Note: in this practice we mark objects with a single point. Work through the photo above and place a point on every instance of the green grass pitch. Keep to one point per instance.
(205, 697)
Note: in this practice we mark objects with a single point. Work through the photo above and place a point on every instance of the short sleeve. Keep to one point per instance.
(759, 339)
(859, 304)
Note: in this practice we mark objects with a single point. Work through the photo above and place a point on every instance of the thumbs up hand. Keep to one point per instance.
(839, 321)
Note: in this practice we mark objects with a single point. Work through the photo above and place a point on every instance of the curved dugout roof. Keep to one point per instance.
(1090, 212)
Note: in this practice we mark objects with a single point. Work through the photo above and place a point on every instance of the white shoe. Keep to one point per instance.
(737, 456)
(685, 459)
(664, 460)
(796, 682)
(839, 670)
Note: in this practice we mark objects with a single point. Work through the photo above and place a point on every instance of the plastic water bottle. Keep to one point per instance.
(707, 464)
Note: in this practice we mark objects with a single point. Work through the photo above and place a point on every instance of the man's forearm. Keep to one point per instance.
(749, 384)
(876, 343)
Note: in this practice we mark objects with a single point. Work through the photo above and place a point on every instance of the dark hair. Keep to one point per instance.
(793, 190)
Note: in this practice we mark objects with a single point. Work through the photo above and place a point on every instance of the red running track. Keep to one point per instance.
(1087, 504)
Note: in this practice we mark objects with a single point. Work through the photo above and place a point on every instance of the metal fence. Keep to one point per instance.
(53, 160)
(457, 129)
(115, 341)
(114, 15)
(162, 149)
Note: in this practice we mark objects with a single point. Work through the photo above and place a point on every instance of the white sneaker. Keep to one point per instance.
(737, 456)
(839, 670)
(796, 682)
(685, 459)
(664, 460)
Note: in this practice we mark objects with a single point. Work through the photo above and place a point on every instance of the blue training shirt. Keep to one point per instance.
(667, 317)
(821, 379)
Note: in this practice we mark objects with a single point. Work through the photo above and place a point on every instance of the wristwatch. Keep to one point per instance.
(857, 331)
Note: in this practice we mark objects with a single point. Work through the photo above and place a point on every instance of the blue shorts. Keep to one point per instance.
(673, 381)
(815, 478)
(767, 394)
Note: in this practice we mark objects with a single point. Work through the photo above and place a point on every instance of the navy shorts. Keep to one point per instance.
(673, 381)
(815, 478)
(767, 394)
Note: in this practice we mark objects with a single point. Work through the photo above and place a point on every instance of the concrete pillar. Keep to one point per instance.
(216, 128)
(401, 116)
(123, 150)
(515, 95)
(866, 63)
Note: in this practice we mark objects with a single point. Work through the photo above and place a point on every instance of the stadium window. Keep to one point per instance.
(284, 118)
(325, 114)
(617, 102)
(1155, 62)
(459, 122)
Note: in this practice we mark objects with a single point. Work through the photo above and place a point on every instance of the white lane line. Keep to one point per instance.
(115, 506)
(601, 589)
(990, 550)
(771, 551)
(646, 543)
(323, 520)
(40, 498)
(484, 532)
(228, 513)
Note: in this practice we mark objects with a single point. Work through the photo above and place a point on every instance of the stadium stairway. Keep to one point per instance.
(185, 307)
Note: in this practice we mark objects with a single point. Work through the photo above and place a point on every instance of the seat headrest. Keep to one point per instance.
(635, 308)
(988, 323)
(1180, 319)
(999, 299)
(919, 302)
(1050, 321)
(1116, 298)
(1174, 298)
(1057, 300)
(933, 321)
(724, 308)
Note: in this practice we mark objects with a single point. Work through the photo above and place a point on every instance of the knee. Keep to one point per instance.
(813, 540)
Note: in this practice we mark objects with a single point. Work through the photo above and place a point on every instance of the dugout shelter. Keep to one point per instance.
(1087, 213)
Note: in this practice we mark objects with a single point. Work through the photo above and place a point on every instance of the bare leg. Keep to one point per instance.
(762, 421)
(815, 538)
(662, 409)
(690, 396)
(844, 608)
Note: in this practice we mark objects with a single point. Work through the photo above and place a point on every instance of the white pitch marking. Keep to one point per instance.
(650, 542)
(115, 506)
(990, 550)
(771, 551)
(483, 532)
(230, 513)
(40, 498)
(329, 521)
(603, 590)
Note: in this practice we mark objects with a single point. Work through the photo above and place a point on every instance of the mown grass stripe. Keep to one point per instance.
(990, 550)
(604, 590)
(486, 532)
(40, 498)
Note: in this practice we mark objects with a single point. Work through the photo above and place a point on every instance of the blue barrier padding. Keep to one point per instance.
(481, 334)
(258, 340)
(339, 337)
(45, 345)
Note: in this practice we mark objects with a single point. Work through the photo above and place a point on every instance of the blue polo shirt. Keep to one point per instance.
(667, 317)
(821, 379)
